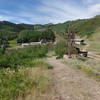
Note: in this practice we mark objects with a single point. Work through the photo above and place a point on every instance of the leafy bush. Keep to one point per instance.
(7, 35)
(13, 43)
(2, 51)
(22, 57)
(48, 35)
(15, 79)
(3, 43)
(28, 36)
(34, 36)
(60, 49)
(15, 85)
(4, 62)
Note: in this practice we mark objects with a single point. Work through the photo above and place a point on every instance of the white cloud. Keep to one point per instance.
(89, 1)
(94, 9)
(52, 11)
(2, 17)
(61, 11)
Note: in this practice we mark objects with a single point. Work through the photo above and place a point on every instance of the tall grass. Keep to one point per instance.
(60, 49)
(13, 83)
(89, 66)
(22, 57)
(12, 43)
(17, 68)
(18, 84)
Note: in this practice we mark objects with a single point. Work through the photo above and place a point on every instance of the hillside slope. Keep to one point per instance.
(94, 41)
(84, 27)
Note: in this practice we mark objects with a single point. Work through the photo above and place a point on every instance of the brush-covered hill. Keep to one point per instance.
(12, 27)
(11, 30)
(89, 28)
(8, 26)
(84, 27)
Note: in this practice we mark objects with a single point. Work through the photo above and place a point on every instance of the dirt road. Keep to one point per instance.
(71, 84)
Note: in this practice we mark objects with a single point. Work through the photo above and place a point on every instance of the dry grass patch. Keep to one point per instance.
(27, 82)
(90, 66)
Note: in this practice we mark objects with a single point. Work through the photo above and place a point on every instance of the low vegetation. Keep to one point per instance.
(19, 84)
(94, 41)
(22, 57)
(60, 49)
(89, 66)
(12, 43)
(24, 70)
(84, 27)
(27, 36)
(18, 69)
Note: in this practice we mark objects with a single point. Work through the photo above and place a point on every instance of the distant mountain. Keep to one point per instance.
(84, 27)
(8, 26)
(26, 26)
(9, 31)
(5, 25)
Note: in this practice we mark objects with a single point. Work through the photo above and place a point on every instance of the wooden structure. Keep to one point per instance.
(71, 43)
(42, 42)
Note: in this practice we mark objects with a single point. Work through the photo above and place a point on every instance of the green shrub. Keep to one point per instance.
(34, 36)
(48, 35)
(2, 51)
(50, 67)
(60, 49)
(7, 35)
(22, 57)
(4, 62)
(14, 84)
(28, 36)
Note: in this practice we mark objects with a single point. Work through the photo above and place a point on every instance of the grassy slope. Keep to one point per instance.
(40, 84)
(84, 27)
(18, 84)
(30, 72)
(13, 43)
(94, 41)
(89, 66)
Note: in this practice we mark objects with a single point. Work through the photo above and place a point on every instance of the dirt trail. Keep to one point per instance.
(71, 84)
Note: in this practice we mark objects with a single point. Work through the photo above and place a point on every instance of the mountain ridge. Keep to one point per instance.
(83, 26)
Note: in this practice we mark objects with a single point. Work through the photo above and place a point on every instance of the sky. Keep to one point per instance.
(47, 11)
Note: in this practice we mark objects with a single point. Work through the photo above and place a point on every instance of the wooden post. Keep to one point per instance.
(70, 42)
